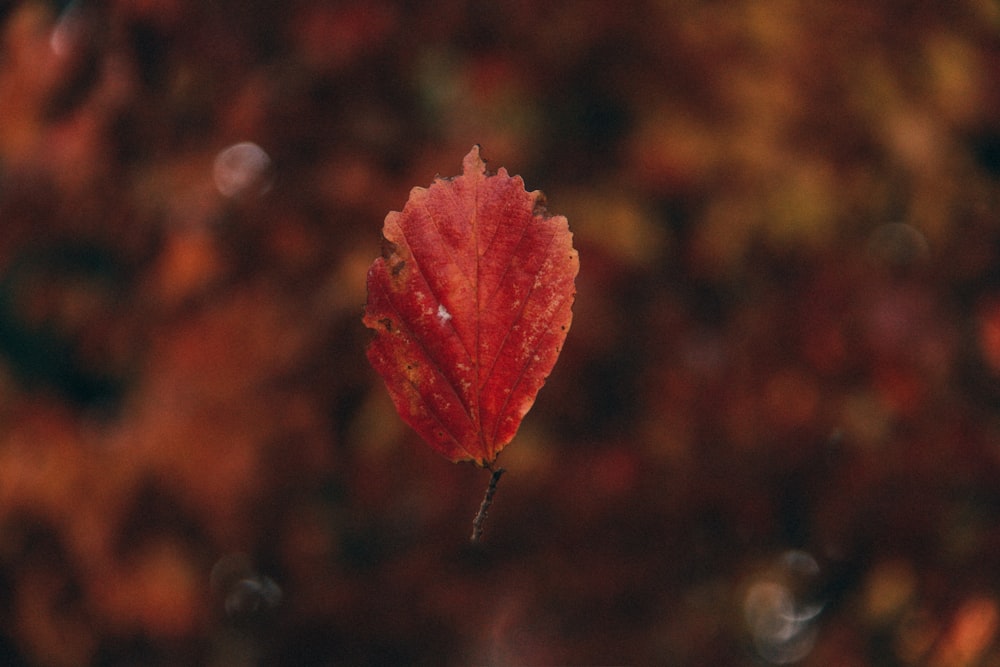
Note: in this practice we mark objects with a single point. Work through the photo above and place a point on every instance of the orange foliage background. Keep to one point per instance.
(773, 432)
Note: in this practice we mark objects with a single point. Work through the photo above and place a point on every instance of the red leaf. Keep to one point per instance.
(470, 302)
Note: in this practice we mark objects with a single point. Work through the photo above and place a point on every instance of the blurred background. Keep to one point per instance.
(773, 436)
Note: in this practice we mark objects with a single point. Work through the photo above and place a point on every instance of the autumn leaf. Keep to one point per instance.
(470, 302)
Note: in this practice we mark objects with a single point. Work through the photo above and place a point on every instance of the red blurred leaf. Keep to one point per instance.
(470, 302)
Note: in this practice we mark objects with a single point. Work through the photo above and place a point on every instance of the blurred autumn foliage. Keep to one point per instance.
(774, 433)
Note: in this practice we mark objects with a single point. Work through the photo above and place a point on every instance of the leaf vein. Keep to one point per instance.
(430, 288)
(520, 315)
(524, 370)
(509, 263)
(434, 367)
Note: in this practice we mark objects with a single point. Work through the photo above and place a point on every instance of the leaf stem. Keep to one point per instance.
(484, 508)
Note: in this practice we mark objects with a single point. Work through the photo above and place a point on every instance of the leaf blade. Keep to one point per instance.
(470, 304)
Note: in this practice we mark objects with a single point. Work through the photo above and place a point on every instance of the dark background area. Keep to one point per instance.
(774, 433)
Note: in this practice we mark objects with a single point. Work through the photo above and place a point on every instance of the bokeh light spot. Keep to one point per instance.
(779, 612)
(245, 593)
(898, 244)
(241, 168)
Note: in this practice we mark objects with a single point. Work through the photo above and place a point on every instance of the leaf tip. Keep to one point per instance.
(473, 164)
